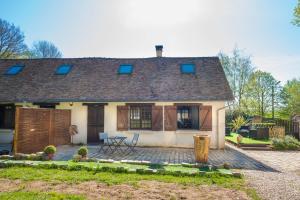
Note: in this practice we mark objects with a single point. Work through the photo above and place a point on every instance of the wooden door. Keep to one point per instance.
(95, 122)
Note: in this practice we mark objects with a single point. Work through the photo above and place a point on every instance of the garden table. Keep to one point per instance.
(116, 142)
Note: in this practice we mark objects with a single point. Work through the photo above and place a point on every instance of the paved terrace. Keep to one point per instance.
(229, 155)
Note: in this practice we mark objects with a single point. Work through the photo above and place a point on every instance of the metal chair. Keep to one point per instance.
(131, 144)
(106, 142)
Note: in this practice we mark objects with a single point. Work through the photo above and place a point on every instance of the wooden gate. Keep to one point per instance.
(36, 128)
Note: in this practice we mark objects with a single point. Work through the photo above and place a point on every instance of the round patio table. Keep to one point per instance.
(116, 142)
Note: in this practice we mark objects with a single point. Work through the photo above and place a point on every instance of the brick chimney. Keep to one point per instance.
(159, 50)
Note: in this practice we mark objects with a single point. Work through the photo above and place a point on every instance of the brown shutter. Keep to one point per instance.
(170, 118)
(205, 118)
(122, 118)
(157, 118)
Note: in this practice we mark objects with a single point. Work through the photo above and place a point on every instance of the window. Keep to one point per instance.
(125, 69)
(188, 117)
(13, 70)
(63, 69)
(140, 117)
(187, 68)
(7, 116)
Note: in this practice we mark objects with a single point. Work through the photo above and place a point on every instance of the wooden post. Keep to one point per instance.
(15, 138)
(201, 147)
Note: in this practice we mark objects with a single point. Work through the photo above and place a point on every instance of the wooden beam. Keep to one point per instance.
(140, 104)
(44, 103)
(187, 104)
(94, 104)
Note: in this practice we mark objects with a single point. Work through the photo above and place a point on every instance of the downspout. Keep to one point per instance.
(218, 136)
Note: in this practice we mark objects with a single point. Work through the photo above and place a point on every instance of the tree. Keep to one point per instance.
(296, 20)
(45, 49)
(11, 40)
(238, 69)
(261, 89)
(291, 98)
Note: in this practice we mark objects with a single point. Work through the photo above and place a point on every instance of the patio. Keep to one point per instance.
(229, 155)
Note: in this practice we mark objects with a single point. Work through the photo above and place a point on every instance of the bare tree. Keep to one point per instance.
(45, 49)
(261, 90)
(11, 40)
(238, 69)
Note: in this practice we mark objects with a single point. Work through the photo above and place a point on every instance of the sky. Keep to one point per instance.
(131, 28)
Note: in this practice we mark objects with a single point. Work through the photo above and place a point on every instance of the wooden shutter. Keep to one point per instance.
(122, 118)
(205, 118)
(170, 118)
(157, 118)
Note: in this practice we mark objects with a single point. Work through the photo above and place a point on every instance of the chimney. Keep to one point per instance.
(159, 50)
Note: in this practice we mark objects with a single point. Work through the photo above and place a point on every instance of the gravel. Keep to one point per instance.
(274, 185)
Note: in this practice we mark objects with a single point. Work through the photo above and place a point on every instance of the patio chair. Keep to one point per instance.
(131, 144)
(106, 142)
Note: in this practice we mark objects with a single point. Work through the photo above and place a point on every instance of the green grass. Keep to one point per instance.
(111, 178)
(98, 166)
(233, 138)
(22, 195)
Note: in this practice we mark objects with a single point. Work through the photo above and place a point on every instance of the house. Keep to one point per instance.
(165, 99)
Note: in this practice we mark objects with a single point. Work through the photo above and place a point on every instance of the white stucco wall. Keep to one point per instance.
(78, 118)
(179, 138)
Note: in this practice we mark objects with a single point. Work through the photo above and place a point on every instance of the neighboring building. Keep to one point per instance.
(165, 99)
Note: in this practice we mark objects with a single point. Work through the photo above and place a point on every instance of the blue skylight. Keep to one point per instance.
(13, 70)
(63, 69)
(125, 69)
(188, 69)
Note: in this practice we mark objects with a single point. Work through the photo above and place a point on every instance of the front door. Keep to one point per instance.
(95, 122)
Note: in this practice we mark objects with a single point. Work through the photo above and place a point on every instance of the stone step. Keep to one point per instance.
(267, 148)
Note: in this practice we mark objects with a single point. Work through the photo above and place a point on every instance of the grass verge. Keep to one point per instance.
(28, 173)
(25, 195)
(233, 138)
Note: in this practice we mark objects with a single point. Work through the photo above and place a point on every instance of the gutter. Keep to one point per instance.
(218, 136)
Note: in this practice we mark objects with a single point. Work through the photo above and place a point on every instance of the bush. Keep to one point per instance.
(83, 151)
(238, 122)
(50, 149)
(77, 158)
(288, 143)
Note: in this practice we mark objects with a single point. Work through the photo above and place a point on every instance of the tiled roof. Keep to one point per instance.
(97, 80)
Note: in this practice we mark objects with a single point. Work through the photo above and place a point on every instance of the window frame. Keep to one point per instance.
(187, 72)
(21, 67)
(63, 65)
(188, 108)
(125, 73)
(142, 116)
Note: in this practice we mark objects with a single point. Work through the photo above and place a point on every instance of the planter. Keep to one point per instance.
(239, 139)
(201, 147)
(50, 156)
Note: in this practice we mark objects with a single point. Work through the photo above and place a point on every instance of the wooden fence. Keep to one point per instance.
(291, 127)
(36, 128)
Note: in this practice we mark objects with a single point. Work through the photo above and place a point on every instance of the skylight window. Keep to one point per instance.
(188, 69)
(125, 69)
(14, 70)
(63, 69)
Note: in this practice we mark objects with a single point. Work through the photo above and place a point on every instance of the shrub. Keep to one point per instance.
(76, 158)
(50, 149)
(238, 122)
(288, 143)
(83, 151)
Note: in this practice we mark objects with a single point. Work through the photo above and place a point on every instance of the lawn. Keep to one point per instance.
(25, 195)
(233, 138)
(39, 183)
